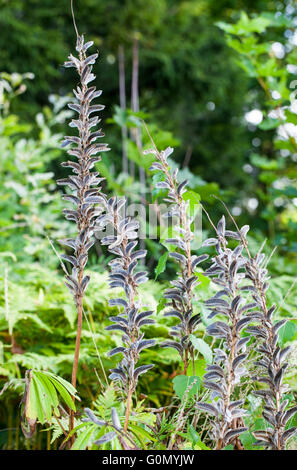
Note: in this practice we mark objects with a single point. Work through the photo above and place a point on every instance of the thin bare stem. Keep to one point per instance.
(128, 409)
(95, 344)
(122, 89)
(73, 19)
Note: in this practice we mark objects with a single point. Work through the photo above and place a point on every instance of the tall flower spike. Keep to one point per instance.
(225, 374)
(123, 244)
(181, 295)
(83, 182)
(272, 360)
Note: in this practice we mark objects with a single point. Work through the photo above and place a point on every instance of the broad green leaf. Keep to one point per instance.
(263, 162)
(37, 393)
(200, 368)
(182, 382)
(161, 305)
(268, 69)
(281, 20)
(63, 382)
(247, 440)
(287, 332)
(202, 347)
(269, 123)
(247, 66)
(245, 45)
(291, 117)
(206, 191)
(49, 390)
(268, 177)
(246, 25)
(193, 434)
(204, 281)
(193, 199)
(135, 155)
(195, 438)
(161, 266)
(201, 445)
(64, 393)
(44, 396)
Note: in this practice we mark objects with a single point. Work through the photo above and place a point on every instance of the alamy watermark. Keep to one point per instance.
(179, 460)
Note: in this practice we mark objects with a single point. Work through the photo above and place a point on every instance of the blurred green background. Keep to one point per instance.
(216, 80)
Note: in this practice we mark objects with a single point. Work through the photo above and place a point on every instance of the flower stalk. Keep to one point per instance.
(271, 362)
(181, 294)
(224, 376)
(122, 243)
(83, 183)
